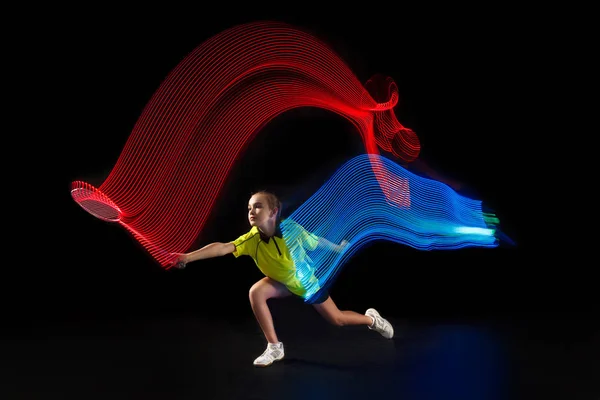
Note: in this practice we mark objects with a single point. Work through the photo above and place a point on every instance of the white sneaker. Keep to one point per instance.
(380, 324)
(274, 352)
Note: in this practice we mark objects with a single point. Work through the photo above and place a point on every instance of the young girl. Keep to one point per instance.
(268, 249)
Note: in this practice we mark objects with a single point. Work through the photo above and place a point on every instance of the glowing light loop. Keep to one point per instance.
(171, 170)
(351, 206)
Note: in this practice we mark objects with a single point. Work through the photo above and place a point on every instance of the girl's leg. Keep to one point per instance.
(260, 292)
(331, 313)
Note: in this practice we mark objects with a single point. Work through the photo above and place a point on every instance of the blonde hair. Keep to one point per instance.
(272, 201)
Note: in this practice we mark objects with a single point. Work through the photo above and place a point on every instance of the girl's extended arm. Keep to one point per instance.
(326, 244)
(215, 249)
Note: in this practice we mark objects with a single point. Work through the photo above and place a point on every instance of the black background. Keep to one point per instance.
(469, 88)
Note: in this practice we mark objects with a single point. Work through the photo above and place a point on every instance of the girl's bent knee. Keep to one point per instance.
(256, 294)
(253, 293)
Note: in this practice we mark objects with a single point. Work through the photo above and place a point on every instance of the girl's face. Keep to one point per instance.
(259, 212)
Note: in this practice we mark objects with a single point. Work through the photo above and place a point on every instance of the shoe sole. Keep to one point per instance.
(266, 365)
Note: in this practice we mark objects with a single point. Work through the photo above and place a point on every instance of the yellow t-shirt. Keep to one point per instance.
(273, 258)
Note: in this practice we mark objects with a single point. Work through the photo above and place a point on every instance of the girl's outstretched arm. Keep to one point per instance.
(326, 244)
(216, 249)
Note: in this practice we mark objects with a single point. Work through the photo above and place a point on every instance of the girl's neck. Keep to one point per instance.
(268, 229)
